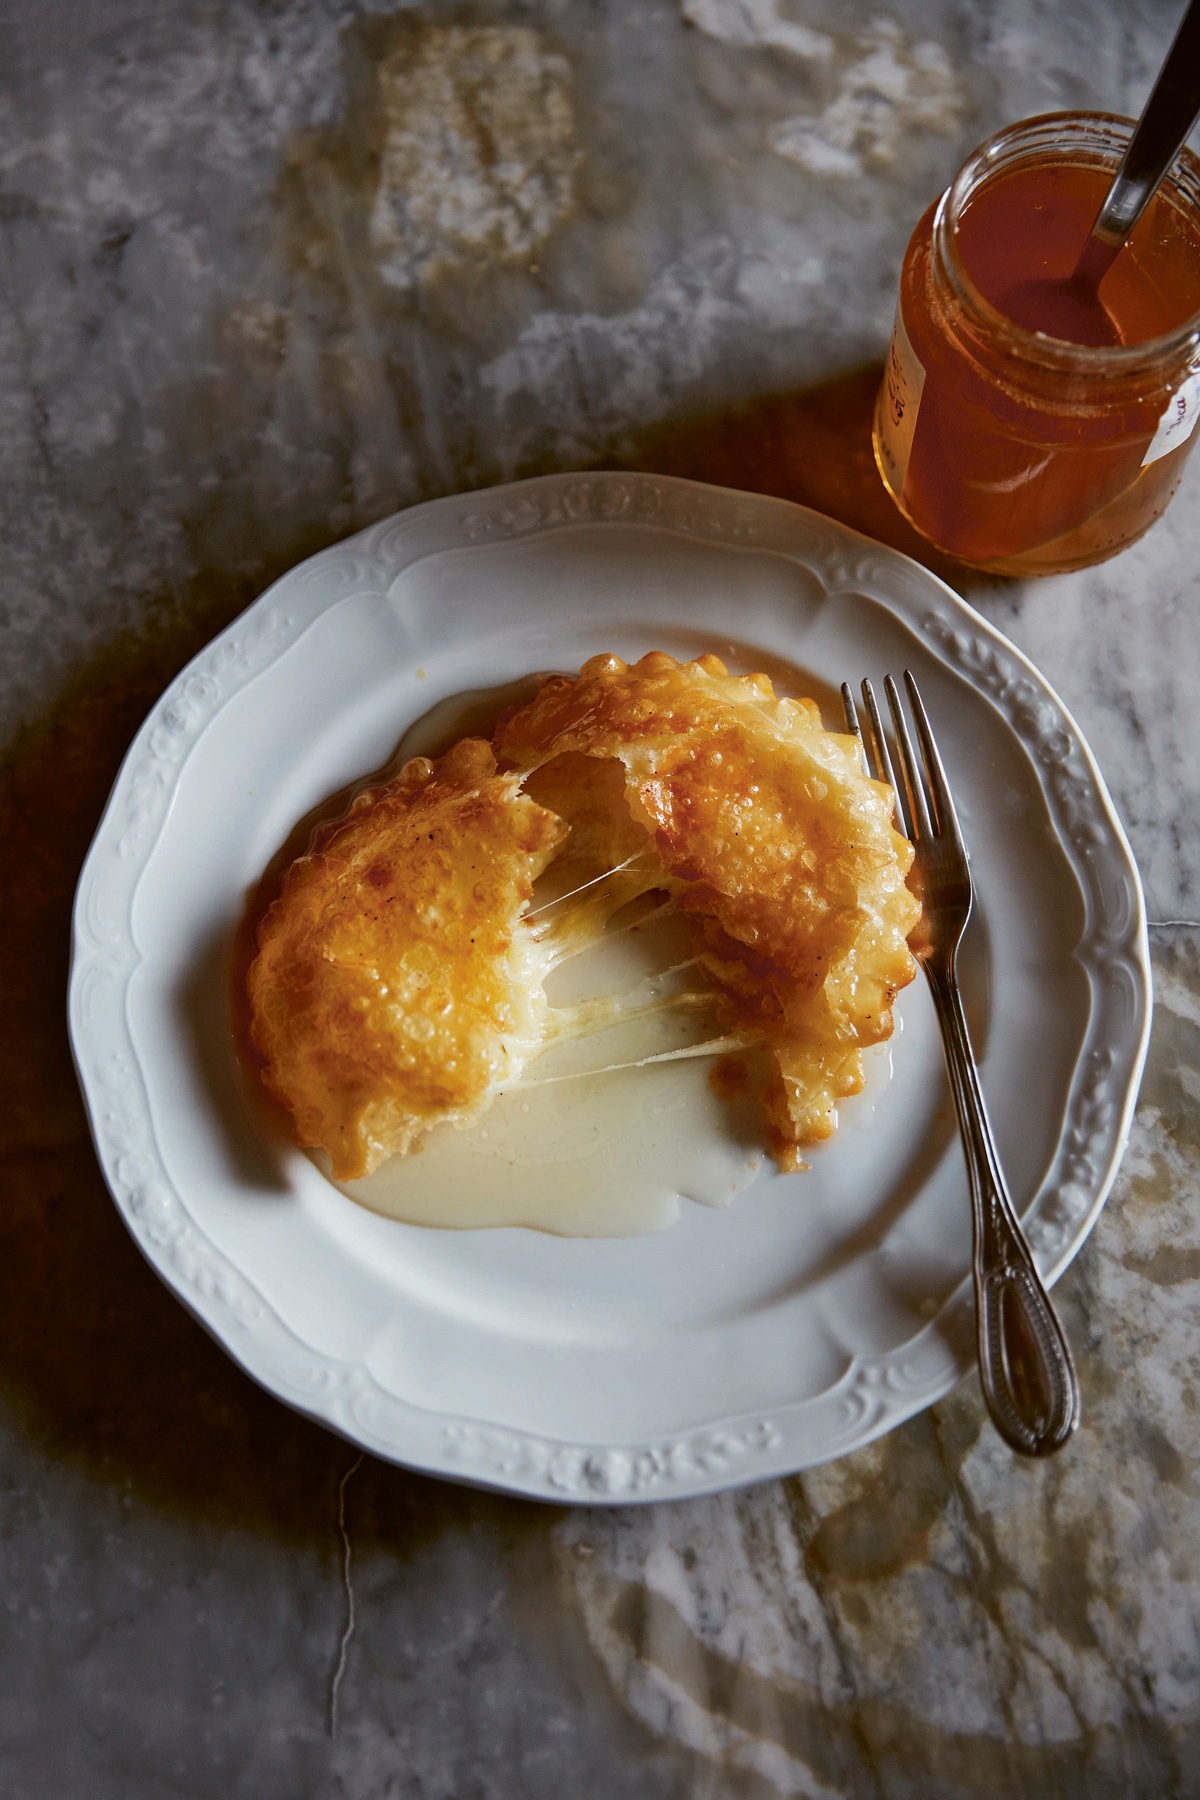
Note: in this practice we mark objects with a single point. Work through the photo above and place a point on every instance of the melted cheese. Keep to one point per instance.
(712, 868)
(772, 836)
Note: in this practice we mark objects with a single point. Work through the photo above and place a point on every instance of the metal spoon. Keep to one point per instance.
(1167, 118)
(1074, 302)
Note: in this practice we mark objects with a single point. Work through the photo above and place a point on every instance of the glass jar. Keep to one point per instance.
(1011, 449)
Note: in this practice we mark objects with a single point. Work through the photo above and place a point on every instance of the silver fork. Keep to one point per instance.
(1024, 1363)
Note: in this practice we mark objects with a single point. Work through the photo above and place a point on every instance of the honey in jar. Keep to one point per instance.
(1027, 423)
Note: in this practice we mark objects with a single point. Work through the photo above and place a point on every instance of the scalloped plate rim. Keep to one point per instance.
(728, 1451)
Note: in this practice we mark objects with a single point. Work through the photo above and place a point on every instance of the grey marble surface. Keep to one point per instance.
(270, 272)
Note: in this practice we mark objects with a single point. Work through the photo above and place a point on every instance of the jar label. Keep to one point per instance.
(898, 404)
(1178, 419)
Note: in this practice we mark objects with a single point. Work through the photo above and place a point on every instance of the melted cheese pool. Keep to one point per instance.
(581, 1149)
(589, 1143)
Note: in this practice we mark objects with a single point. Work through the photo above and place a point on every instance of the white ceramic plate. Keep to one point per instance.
(820, 1309)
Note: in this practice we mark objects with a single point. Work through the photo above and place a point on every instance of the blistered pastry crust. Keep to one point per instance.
(399, 983)
(392, 989)
(773, 837)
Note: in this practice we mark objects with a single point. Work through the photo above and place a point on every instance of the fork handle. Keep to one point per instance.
(1025, 1365)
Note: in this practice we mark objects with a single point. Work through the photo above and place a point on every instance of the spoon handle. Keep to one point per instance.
(1166, 120)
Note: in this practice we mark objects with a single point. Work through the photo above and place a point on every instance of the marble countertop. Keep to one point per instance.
(270, 272)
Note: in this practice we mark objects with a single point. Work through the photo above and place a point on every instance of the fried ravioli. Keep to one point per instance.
(399, 979)
(771, 835)
(394, 987)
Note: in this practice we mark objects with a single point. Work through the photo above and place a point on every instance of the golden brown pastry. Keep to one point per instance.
(399, 977)
(392, 988)
(769, 832)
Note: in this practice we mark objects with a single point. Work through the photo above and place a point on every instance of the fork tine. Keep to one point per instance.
(943, 801)
(852, 724)
(883, 757)
(867, 740)
(918, 807)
